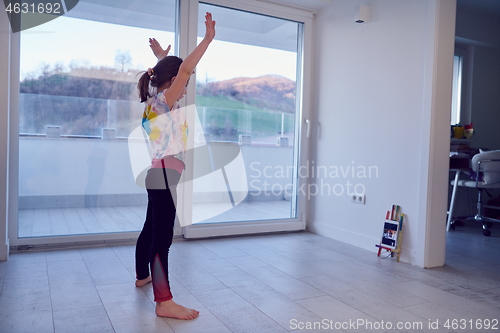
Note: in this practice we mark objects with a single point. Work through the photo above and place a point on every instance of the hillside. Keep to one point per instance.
(268, 92)
(265, 93)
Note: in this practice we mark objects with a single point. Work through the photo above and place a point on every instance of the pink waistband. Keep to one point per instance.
(169, 162)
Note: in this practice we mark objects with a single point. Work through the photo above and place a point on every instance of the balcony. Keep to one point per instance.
(79, 180)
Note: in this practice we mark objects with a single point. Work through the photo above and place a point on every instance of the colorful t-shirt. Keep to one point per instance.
(167, 128)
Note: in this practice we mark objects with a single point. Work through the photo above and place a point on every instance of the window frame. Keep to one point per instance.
(13, 152)
(456, 105)
(466, 54)
(304, 79)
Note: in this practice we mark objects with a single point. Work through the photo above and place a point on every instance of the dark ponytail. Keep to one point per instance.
(164, 71)
(143, 86)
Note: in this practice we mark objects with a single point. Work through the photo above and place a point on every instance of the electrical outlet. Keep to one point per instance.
(359, 199)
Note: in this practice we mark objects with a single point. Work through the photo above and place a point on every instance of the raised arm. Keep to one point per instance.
(187, 67)
(157, 49)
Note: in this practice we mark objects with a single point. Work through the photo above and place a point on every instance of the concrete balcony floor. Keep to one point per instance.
(93, 220)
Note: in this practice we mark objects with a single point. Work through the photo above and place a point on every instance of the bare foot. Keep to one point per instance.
(171, 309)
(143, 282)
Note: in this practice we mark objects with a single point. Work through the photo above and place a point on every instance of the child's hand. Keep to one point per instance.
(210, 27)
(157, 50)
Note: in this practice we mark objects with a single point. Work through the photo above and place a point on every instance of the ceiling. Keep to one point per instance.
(488, 7)
(314, 5)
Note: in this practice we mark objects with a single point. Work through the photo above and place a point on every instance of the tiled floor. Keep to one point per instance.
(267, 283)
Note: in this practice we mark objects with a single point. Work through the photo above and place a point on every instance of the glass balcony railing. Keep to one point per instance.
(77, 116)
(262, 127)
(87, 117)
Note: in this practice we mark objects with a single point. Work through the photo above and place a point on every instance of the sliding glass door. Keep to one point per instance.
(248, 114)
(78, 104)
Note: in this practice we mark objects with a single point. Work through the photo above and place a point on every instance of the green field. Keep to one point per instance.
(221, 114)
(224, 103)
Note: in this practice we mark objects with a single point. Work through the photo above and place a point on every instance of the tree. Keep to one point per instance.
(123, 60)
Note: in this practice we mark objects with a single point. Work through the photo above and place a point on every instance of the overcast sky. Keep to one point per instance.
(89, 43)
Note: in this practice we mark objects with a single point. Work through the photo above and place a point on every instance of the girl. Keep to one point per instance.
(167, 129)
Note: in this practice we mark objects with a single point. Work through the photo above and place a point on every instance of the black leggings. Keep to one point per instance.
(156, 236)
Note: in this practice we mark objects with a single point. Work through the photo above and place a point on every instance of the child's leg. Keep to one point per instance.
(163, 211)
(163, 216)
(143, 250)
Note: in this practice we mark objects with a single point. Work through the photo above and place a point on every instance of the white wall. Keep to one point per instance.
(477, 26)
(485, 108)
(481, 32)
(99, 167)
(377, 105)
(103, 167)
(478, 36)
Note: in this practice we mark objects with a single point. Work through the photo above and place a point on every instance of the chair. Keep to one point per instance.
(486, 166)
